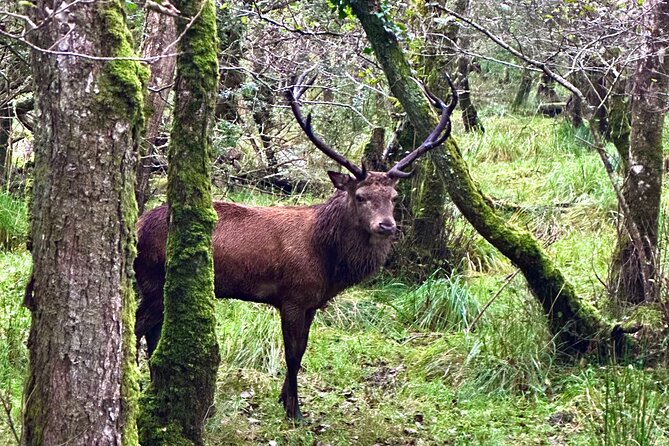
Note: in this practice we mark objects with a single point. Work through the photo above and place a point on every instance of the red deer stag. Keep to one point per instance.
(295, 258)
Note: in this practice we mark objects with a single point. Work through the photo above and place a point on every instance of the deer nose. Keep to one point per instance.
(386, 227)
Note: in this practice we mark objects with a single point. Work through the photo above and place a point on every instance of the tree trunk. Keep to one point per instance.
(575, 324)
(82, 383)
(523, 93)
(643, 186)
(619, 122)
(372, 154)
(160, 31)
(231, 33)
(470, 117)
(184, 365)
(5, 128)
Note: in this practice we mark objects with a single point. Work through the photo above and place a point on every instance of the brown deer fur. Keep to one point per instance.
(294, 258)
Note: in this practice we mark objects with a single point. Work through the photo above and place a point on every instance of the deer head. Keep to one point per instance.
(371, 195)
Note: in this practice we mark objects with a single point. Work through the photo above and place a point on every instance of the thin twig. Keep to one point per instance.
(7, 406)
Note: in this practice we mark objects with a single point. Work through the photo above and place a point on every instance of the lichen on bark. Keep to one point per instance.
(175, 406)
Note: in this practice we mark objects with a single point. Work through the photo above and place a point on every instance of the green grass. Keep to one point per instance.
(13, 221)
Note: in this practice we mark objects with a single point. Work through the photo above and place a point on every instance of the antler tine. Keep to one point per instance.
(293, 95)
(440, 133)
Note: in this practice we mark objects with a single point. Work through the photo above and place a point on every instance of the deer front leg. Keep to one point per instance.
(295, 324)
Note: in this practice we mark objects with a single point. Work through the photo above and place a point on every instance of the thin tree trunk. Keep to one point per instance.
(184, 365)
(159, 32)
(523, 93)
(470, 117)
(82, 383)
(575, 324)
(643, 185)
(5, 127)
(231, 31)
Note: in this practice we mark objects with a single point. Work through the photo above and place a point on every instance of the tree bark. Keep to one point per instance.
(643, 185)
(575, 324)
(184, 365)
(159, 32)
(82, 383)
(231, 31)
(470, 117)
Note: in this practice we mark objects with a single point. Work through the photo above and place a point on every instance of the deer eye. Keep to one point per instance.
(360, 199)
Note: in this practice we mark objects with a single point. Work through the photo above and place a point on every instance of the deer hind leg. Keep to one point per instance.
(295, 324)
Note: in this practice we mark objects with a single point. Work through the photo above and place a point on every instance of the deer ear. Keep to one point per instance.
(340, 180)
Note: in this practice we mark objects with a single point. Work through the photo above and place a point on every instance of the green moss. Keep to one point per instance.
(123, 82)
(184, 365)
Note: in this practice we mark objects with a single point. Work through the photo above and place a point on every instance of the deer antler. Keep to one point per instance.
(293, 94)
(438, 135)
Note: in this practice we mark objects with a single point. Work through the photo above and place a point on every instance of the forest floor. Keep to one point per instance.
(391, 364)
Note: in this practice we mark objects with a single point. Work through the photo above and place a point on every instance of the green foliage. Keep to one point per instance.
(14, 327)
(249, 336)
(226, 135)
(13, 221)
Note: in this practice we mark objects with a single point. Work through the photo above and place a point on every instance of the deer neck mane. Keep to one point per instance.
(350, 253)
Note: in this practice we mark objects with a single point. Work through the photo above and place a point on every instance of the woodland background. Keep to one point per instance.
(561, 102)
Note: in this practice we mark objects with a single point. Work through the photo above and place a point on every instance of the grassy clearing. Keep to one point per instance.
(389, 364)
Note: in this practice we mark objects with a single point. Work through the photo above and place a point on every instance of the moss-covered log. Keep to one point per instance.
(575, 324)
(184, 365)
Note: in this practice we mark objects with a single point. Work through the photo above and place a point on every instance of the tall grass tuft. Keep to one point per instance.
(13, 221)
(249, 336)
(629, 404)
(439, 304)
(510, 348)
(14, 326)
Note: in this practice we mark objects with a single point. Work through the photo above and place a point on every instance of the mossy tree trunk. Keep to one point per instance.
(372, 153)
(575, 324)
(82, 384)
(159, 31)
(185, 362)
(619, 118)
(643, 185)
